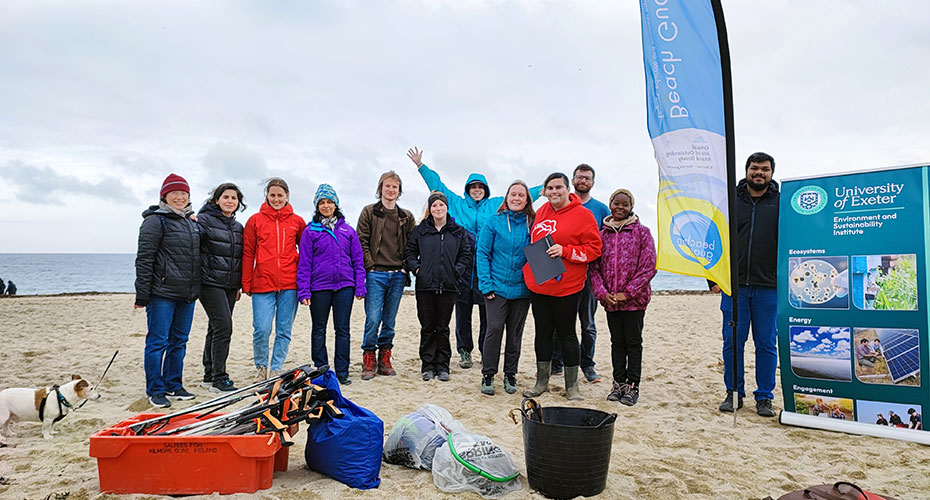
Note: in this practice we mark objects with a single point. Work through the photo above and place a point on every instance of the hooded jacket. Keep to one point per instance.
(330, 260)
(500, 255)
(467, 212)
(573, 227)
(168, 257)
(438, 258)
(627, 264)
(757, 236)
(269, 250)
(220, 248)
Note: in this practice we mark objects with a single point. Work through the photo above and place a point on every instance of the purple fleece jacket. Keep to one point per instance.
(627, 264)
(330, 260)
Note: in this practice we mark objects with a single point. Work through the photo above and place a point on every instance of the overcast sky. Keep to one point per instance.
(99, 101)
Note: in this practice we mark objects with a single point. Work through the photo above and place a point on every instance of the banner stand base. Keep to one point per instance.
(850, 427)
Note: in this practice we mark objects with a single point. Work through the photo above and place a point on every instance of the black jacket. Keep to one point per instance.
(168, 259)
(757, 236)
(438, 258)
(220, 249)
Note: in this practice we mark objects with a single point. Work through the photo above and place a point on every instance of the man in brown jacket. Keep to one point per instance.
(383, 229)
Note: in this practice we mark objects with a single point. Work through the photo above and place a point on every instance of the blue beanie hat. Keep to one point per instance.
(325, 191)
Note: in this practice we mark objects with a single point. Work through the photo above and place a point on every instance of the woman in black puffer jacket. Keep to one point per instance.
(221, 278)
(439, 253)
(167, 284)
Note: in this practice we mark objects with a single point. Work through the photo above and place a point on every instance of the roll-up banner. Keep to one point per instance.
(685, 115)
(852, 296)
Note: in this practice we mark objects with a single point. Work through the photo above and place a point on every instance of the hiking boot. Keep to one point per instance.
(764, 408)
(344, 379)
(572, 393)
(159, 401)
(443, 376)
(727, 404)
(487, 385)
(510, 383)
(384, 363)
(591, 375)
(428, 375)
(368, 365)
(542, 380)
(631, 396)
(180, 395)
(465, 362)
(261, 373)
(617, 391)
(224, 385)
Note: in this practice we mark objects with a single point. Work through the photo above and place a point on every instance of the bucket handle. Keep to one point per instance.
(530, 410)
(609, 419)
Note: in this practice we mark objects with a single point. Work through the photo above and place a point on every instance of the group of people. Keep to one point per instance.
(868, 353)
(7, 289)
(468, 249)
(916, 422)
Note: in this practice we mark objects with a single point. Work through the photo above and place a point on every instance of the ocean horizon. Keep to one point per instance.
(54, 273)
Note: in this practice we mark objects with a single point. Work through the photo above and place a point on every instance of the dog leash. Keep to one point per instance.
(113, 358)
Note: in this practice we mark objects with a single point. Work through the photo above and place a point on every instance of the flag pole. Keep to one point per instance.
(731, 185)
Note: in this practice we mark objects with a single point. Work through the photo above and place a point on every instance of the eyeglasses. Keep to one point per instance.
(584, 178)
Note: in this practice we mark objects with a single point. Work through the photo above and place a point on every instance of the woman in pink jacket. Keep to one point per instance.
(620, 279)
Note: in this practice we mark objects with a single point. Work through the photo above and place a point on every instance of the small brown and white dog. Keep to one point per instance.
(47, 405)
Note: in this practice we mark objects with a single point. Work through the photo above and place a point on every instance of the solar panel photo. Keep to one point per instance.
(902, 352)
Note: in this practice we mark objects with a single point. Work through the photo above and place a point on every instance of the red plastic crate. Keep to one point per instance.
(184, 465)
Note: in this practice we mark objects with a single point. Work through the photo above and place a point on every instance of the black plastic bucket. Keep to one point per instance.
(568, 452)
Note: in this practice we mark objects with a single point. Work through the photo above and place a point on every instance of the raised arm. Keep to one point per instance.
(433, 182)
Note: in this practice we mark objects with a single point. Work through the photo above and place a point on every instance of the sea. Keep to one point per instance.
(53, 273)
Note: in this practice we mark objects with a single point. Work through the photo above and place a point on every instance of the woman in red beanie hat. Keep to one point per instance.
(167, 284)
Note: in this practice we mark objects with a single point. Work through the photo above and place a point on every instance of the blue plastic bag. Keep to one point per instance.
(347, 449)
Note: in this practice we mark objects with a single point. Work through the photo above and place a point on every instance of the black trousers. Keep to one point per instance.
(512, 315)
(557, 313)
(218, 303)
(626, 345)
(434, 310)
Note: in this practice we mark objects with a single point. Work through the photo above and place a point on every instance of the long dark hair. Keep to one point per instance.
(218, 191)
(317, 217)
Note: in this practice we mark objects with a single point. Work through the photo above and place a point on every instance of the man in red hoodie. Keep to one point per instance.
(555, 302)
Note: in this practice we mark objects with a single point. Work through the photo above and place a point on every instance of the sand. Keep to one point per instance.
(673, 444)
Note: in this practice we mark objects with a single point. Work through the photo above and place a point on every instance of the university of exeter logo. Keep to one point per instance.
(809, 200)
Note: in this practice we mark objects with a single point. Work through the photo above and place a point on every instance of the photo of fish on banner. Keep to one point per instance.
(273, 406)
(818, 283)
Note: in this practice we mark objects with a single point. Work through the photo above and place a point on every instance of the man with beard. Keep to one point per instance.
(583, 181)
(756, 246)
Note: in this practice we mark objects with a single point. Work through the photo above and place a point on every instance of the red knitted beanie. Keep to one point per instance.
(174, 182)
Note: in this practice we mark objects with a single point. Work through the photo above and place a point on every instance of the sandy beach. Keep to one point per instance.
(672, 444)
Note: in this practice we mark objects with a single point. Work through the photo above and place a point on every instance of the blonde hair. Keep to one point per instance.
(390, 174)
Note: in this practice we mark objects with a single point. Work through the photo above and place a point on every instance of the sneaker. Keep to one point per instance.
(510, 383)
(206, 384)
(631, 396)
(344, 380)
(159, 401)
(443, 376)
(764, 408)
(487, 385)
(428, 375)
(180, 395)
(368, 365)
(261, 373)
(727, 404)
(465, 362)
(224, 385)
(591, 375)
(617, 391)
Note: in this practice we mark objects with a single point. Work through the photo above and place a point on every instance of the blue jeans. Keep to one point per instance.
(340, 302)
(279, 308)
(383, 292)
(757, 305)
(587, 306)
(169, 323)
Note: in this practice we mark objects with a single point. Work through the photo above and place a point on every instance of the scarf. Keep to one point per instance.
(186, 212)
(329, 222)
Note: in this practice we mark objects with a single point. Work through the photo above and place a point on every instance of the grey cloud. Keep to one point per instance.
(233, 160)
(44, 185)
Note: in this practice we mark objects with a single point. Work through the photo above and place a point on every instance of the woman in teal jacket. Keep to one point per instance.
(507, 299)
(471, 210)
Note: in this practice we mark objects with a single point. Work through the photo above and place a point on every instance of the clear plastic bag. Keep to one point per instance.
(415, 437)
(474, 463)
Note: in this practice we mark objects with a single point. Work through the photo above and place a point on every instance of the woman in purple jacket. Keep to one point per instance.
(330, 272)
(620, 280)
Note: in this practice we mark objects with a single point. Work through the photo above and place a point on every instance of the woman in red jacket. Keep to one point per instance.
(555, 302)
(269, 275)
